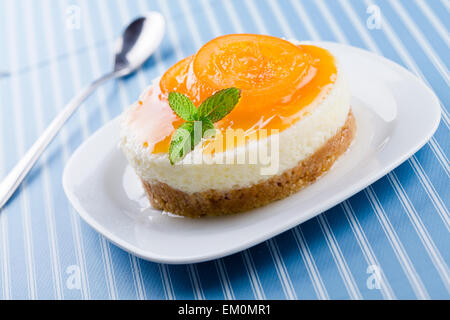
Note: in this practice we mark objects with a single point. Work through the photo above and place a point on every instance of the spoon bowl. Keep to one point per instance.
(139, 41)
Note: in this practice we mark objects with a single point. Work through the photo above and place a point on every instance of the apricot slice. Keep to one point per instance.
(259, 65)
(180, 78)
(174, 79)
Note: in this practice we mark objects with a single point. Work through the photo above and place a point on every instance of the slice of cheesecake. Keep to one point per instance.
(292, 122)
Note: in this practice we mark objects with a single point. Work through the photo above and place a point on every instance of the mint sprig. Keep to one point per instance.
(199, 122)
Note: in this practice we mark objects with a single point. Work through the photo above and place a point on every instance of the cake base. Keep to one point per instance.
(214, 203)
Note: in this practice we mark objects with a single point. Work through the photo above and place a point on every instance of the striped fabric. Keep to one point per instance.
(390, 241)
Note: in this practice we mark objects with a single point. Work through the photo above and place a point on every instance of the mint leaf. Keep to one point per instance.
(186, 137)
(182, 142)
(207, 125)
(182, 106)
(219, 104)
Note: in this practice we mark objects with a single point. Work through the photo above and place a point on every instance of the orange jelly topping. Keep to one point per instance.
(277, 80)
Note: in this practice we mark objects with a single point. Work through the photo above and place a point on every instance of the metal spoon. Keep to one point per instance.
(138, 42)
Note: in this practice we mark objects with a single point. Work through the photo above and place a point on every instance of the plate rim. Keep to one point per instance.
(280, 228)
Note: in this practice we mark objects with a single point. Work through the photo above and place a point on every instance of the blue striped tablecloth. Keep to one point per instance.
(389, 241)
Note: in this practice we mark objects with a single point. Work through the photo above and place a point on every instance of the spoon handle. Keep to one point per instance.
(19, 172)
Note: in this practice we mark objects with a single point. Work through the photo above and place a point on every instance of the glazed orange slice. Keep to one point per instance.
(265, 68)
(175, 77)
(180, 78)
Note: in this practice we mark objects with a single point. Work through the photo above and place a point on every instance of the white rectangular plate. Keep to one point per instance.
(396, 115)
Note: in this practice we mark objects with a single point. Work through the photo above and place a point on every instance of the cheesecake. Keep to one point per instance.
(292, 121)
